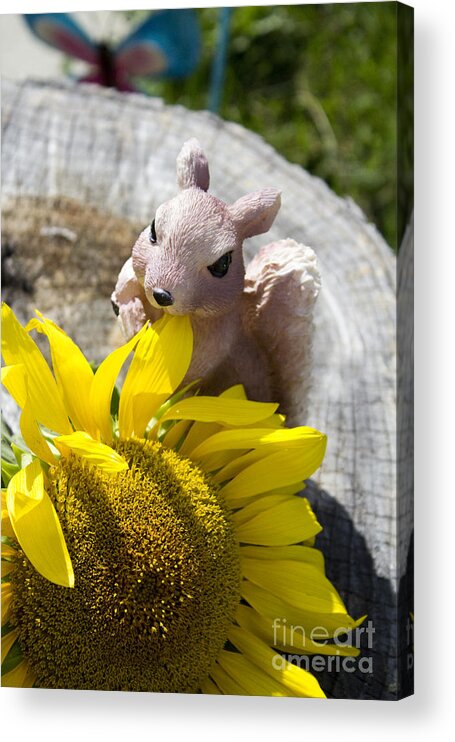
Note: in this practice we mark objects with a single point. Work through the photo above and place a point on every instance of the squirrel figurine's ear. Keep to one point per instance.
(255, 213)
(192, 167)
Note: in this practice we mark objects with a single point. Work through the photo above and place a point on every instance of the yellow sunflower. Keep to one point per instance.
(154, 544)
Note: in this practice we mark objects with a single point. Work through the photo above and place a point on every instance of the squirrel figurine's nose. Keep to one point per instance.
(163, 297)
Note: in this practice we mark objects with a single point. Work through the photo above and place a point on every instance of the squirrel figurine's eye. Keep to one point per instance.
(221, 266)
(152, 235)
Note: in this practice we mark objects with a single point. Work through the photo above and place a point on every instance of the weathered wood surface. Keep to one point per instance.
(83, 171)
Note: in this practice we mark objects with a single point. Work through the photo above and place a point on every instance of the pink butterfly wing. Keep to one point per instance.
(143, 58)
(62, 32)
(66, 42)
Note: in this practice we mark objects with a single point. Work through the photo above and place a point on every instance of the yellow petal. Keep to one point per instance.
(176, 433)
(256, 438)
(271, 606)
(288, 522)
(104, 382)
(296, 679)
(244, 514)
(197, 433)
(295, 553)
(290, 638)
(277, 470)
(7, 529)
(72, 371)
(8, 641)
(33, 436)
(94, 452)
(225, 682)
(234, 392)
(216, 461)
(18, 348)
(7, 550)
(7, 596)
(7, 567)
(17, 678)
(254, 681)
(238, 464)
(14, 379)
(36, 525)
(209, 688)
(219, 410)
(200, 431)
(160, 362)
(285, 492)
(298, 583)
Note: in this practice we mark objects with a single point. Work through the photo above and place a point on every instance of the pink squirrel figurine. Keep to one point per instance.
(252, 326)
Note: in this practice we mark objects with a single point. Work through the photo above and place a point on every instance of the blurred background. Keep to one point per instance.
(318, 82)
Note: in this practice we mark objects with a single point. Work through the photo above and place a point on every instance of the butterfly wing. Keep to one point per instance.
(60, 31)
(166, 44)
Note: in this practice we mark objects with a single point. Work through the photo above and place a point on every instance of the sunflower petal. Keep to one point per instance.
(296, 679)
(238, 464)
(94, 452)
(255, 682)
(244, 514)
(104, 382)
(16, 678)
(197, 433)
(33, 436)
(161, 360)
(292, 638)
(200, 431)
(295, 553)
(220, 410)
(288, 522)
(69, 364)
(234, 392)
(272, 606)
(298, 583)
(6, 548)
(7, 530)
(7, 567)
(18, 348)
(209, 688)
(277, 470)
(14, 380)
(175, 434)
(8, 641)
(256, 438)
(36, 525)
(7, 596)
(227, 685)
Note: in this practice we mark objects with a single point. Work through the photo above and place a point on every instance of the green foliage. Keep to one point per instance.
(319, 83)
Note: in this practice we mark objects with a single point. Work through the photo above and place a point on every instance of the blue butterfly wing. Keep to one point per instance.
(170, 40)
(60, 31)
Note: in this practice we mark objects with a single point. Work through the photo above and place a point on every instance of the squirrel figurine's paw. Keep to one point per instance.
(130, 303)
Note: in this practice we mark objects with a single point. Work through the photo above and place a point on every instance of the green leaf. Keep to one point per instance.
(8, 470)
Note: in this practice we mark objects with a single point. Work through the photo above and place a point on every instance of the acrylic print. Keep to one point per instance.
(207, 273)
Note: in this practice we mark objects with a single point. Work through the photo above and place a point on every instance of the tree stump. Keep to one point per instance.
(83, 171)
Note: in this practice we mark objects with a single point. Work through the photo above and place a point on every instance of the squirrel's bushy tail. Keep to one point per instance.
(282, 283)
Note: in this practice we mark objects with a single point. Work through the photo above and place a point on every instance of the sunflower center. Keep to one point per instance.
(157, 575)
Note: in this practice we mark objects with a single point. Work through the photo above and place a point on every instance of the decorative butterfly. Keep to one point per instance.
(167, 44)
